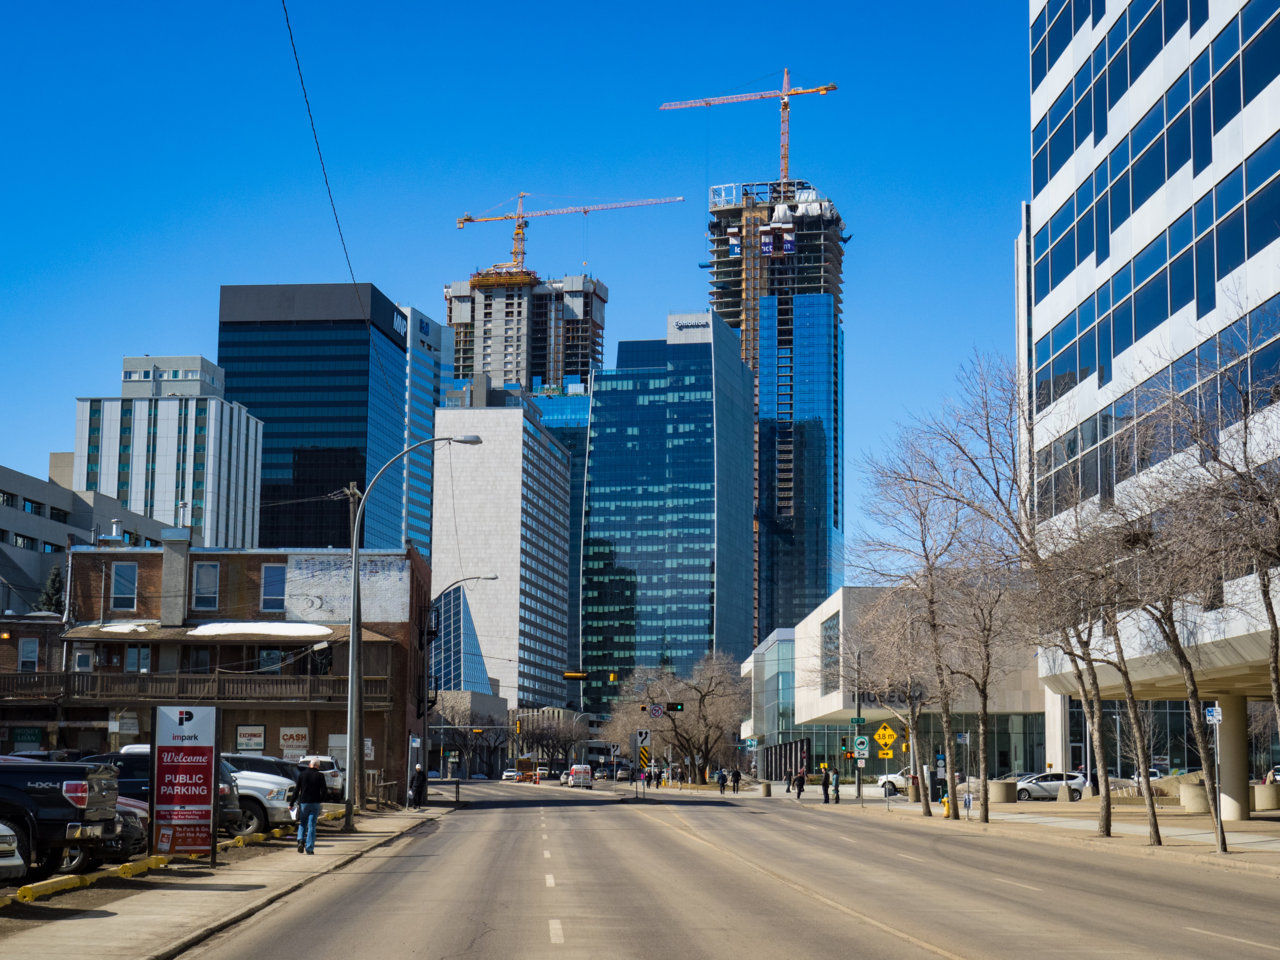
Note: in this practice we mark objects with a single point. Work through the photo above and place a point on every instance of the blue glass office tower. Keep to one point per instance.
(776, 261)
(666, 539)
(430, 377)
(324, 367)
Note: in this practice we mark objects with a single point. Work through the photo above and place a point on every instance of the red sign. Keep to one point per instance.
(185, 780)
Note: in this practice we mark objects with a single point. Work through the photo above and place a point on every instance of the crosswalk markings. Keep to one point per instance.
(546, 855)
(551, 880)
(557, 931)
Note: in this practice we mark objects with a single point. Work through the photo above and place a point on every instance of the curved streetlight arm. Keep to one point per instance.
(355, 694)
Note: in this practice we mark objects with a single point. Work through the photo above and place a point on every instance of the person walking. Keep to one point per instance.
(826, 785)
(417, 787)
(787, 775)
(722, 778)
(311, 790)
(799, 784)
(835, 786)
(736, 777)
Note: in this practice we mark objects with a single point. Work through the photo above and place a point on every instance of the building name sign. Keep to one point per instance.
(693, 324)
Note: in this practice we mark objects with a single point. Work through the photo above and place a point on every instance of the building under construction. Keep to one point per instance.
(776, 256)
(517, 328)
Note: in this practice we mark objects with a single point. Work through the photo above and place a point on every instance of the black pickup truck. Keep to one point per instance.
(53, 806)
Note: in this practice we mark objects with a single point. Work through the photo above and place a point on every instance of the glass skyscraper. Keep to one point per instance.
(430, 377)
(666, 539)
(776, 261)
(324, 367)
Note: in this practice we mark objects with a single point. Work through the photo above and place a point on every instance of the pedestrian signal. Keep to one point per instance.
(674, 707)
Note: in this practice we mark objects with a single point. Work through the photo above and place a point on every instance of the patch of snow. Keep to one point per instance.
(124, 628)
(272, 627)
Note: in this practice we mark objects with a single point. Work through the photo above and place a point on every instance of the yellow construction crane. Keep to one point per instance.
(785, 95)
(520, 216)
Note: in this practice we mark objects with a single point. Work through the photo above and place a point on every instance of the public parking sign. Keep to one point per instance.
(185, 775)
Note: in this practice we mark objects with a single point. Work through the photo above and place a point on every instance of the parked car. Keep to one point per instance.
(479, 776)
(275, 766)
(1045, 786)
(332, 770)
(624, 773)
(895, 782)
(133, 821)
(50, 807)
(602, 773)
(564, 779)
(510, 775)
(543, 773)
(265, 801)
(12, 866)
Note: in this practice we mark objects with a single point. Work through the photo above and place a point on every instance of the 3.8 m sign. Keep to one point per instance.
(184, 778)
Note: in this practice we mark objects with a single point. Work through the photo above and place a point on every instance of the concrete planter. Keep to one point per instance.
(1193, 798)
(1266, 796)
(1002, 791)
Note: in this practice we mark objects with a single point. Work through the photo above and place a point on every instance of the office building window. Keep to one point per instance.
(124, 586)
(205, 587)
(273, 578)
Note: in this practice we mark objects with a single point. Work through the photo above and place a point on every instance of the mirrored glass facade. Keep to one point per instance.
(666, 550)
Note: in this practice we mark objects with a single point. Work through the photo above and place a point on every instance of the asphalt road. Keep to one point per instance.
(529, 871)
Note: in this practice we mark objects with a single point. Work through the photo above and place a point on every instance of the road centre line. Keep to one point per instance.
(551, 880)
(809, 892)
(1015, 883)
(1251, 943)
(907, 856)
(557, 931)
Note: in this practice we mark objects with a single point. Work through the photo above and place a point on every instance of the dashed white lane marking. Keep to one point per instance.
(850, 839)
(1252, 943)
(1015, 883)
(546, 855)
(551, 880)
(544, 836)
(557, 931)
(907, 856)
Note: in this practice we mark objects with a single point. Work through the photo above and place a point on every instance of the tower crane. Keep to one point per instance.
(521, 215)
(785, 95)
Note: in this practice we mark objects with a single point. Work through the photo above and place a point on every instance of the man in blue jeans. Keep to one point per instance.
(311, 790)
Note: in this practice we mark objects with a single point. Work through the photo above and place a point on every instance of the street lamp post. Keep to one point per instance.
(355, 671)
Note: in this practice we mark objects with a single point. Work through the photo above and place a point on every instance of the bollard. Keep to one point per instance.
(766, 788)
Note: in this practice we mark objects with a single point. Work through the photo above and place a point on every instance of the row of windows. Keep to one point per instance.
(204, 586)
(1081, 226)
(24, 542)
(1082, 108)
(1168, 274)
(1223, 379)
(1052, 30)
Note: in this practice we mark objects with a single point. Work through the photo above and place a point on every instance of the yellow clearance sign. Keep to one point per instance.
(885, 736)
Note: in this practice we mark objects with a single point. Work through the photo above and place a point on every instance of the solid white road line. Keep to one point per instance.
(850, 839)
(557, 931)
(1251, 943)
(551, 880)
(907, 856)
(1015, 883)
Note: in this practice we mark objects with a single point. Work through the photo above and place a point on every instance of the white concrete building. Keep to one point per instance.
(171, 448)
(501, 508)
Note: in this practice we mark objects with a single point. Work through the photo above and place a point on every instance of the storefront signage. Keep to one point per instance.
(295, 743)
(251, 736)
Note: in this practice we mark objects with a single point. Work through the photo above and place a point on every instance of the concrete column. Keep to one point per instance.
(1056, 719)
(1233, 740)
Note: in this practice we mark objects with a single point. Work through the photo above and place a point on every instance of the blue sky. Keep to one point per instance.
(157, 151)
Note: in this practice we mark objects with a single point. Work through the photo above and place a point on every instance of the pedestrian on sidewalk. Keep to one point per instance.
(736, 777)
(826, 785)
(787, 776)
(835, 785)
(417, 787)
(722, 778)
(311, 790)
(799, 783)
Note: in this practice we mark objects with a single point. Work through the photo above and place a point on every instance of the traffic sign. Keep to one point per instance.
(1213, 714)
(862, 761)
(656, 710)
(857, 721)
(613, 749)
(962, 738)
(886, 754)
(885, 736)
(861, 743)
(642, 738)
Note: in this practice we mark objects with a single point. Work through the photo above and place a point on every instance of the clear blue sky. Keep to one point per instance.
(156, 151)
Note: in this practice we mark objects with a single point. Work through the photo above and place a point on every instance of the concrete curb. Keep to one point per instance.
(204, 933)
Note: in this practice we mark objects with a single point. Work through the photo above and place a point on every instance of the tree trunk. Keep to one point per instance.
(1273, 658)
(913, 727)
(983, 712)
(1139, 735)
(1091, 701)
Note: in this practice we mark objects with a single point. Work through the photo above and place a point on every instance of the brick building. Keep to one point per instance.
(262, 634)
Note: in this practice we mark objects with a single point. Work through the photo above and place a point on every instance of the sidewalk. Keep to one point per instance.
(1251, 844)
(185, 903)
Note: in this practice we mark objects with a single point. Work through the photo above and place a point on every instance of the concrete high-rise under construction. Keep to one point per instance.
(776, 256)
(518, 328)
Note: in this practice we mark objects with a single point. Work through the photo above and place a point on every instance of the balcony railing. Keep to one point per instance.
(189, 686)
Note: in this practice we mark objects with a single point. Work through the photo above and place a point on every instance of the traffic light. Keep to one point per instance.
(517, 726)
(575, 675)
(675, 707)
(844, 743)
